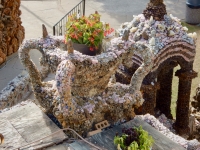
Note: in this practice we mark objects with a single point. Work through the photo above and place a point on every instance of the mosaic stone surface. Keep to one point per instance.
(85, 90)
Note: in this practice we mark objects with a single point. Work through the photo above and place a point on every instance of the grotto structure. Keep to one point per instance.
(141, 60)
(171, 46)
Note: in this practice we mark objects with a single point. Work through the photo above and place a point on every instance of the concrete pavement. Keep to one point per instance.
(48, 12)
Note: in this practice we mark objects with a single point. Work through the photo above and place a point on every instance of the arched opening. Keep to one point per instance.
(167, 87)
(175, 86)
(167, 94)
(174, 97)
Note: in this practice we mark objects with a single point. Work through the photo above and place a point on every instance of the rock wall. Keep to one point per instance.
(11, 30)
(17, 90)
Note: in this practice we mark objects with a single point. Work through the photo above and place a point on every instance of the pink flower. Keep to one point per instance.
(91, 48)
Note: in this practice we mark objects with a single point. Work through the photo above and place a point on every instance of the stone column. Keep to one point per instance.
(182, 111)
(163, 101)
(149, 94)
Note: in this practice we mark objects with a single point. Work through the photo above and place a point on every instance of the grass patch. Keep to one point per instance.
(191, 28)
(196, 81)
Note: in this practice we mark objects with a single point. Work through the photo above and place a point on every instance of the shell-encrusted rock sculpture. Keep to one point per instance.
(84, 91)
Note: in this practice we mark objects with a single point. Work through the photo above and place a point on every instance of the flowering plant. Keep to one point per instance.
(133, 139)
(87, 30)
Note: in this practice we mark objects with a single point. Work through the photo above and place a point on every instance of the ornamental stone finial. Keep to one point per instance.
(70, 47)
(44, 31)
(156, 9)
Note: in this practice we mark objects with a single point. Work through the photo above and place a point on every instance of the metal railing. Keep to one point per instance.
(60, 27)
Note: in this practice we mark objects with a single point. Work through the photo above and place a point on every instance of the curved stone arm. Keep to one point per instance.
(44, 95)
(47, 42)
(27, 62)
(64, 78)
(144, 69)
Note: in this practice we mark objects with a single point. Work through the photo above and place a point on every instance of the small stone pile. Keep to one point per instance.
(162, 123)
(156, 9)
(16, 91)
(11, 29)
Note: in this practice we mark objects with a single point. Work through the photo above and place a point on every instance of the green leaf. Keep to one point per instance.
(80, 40)
(133, 145)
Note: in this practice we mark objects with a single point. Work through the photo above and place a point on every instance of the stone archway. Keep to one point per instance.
(161, 98)
(157, 85)
(170, 45)
(163, 95)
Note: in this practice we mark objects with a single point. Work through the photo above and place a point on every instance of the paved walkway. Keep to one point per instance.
(48, 12)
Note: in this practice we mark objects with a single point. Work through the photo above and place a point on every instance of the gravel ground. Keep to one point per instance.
(164, 125)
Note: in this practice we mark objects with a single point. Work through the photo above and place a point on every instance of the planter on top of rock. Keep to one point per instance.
(84, 49)
(87, 33)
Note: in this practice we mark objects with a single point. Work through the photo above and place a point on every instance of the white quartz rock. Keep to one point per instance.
(152, 41)
(151, 20)
(177, 29)
(195, 36)
(171, 33)
(133, 29)
(161, 27)
(185, 28)
(190, 35)
(171, 16)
